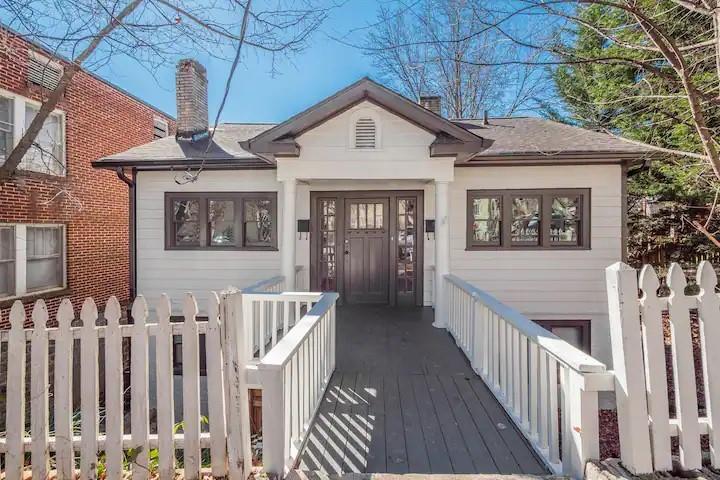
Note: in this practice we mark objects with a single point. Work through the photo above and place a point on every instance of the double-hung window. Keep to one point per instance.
(47, 153)
(32, 259)
(527, 219)
(221, 221)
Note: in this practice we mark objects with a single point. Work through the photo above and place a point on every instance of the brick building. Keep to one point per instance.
(63, 224)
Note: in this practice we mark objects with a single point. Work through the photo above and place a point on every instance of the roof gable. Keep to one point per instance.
(451, 139)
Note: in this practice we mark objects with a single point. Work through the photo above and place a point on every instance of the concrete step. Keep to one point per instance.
(315, 475)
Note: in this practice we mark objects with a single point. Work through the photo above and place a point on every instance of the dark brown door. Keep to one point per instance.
(366, 250)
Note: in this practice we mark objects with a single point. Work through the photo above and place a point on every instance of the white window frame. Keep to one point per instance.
(21, 259)
(19, 104)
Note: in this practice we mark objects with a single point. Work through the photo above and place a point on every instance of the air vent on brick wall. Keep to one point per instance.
(160, 128)
(365, 133)
(43, 71)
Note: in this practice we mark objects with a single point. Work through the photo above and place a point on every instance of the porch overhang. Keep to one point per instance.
(451, 139)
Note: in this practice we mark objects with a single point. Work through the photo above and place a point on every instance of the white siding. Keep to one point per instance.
(178, 271)
(545, 284)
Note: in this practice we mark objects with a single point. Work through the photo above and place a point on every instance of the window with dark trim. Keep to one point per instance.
(527, 219)
(221, 221)
(575, 332)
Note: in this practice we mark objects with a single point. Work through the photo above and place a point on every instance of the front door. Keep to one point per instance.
(368, 246)
(366, 250)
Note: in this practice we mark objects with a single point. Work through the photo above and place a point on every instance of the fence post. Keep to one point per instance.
(581, 425)
(630, 394)
(274, 421)
(709, 308)
(238, 409)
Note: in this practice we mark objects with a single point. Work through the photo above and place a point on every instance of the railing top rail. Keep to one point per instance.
(288, 296)
(288, 345)
(563, 351)
(258, 287)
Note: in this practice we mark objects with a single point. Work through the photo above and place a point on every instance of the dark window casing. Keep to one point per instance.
(545, 239)
(239, 201)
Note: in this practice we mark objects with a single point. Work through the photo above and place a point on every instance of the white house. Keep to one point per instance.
(377, 197)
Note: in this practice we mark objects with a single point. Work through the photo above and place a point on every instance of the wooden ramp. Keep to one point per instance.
(404, 400)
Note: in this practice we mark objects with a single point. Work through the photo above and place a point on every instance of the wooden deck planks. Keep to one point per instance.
(389, 409)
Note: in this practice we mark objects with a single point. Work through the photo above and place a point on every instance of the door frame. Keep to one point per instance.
(340, 197)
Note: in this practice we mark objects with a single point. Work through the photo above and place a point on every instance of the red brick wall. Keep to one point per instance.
(100, 120)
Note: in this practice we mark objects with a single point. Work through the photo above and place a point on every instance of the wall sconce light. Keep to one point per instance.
(429, 228)
(303, 226)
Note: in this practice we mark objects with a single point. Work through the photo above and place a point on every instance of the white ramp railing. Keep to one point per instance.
(548, 387)
(643, 369)
(294, 375)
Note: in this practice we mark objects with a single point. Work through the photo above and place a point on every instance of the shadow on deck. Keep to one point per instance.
(404, 399)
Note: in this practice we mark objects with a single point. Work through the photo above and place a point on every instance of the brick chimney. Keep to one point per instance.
(192, 98)
(432, 103)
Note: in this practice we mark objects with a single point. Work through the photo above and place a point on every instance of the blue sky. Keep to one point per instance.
(256, 94)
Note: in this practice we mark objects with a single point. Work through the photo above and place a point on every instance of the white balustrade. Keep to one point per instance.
(548, 387)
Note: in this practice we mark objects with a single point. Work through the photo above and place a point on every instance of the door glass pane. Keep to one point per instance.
(186, 222)
(44, 258)
(525, 220)
(221, 216)
(572, 335)
(258, 222)
(406, 258)
(328, 246)
(486, 220)
(353, 215)
(565, 223)
(378, 215)
(362, 215)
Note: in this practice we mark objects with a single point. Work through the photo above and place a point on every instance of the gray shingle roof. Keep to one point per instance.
(225, 147)
(510, 138)
(538, 136)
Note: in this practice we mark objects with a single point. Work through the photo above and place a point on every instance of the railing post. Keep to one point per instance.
(238, 409)
(630, 393)
(274, 421)
(581, 425)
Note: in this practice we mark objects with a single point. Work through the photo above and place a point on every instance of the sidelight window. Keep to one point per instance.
(528, 219)
(220, 221)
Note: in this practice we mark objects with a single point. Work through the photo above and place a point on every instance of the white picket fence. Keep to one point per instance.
(242, 327)
(548, 387)
(639, 359)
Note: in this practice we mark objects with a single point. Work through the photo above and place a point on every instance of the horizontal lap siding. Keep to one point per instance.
(178, 271)
(562, 284)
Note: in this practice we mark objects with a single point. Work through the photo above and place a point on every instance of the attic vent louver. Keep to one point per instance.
(365, 133)
(43, 71)
(160, 128)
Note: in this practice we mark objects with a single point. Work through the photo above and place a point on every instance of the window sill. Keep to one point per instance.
(223, 249)
(31, 297)
(525, 248)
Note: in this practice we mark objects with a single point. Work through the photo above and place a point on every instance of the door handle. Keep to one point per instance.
(347, 252)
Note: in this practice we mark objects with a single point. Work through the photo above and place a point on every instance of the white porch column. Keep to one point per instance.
(287, 244)
(442, 251)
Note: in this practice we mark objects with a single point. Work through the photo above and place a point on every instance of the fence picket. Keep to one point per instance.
(165, 397)
(684, 370)
(64, 453)
(216, 398)
(191, 389)
(139, 390)
(39, 392)
(708, 308)
(655, 368)
(113, 390)
(89, 398)
(15, 418)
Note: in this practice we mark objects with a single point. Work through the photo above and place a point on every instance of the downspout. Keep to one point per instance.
(130, 182)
